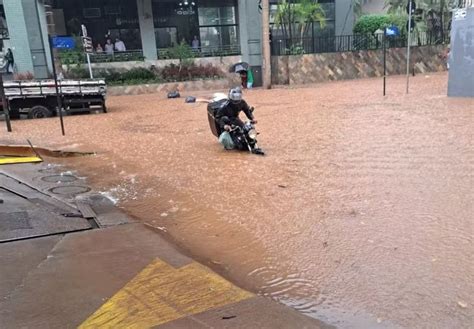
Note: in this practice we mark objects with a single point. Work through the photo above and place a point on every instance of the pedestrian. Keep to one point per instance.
(10, 60)
(249, 78)
(195, 43)
(99, 49)
(109, 47)
(119, 45)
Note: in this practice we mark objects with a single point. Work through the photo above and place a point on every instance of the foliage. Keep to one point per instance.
(173, 72)
(182, 51)
(117, 57)
(368, 24)
(434, 14)
(77, 57)
(71, 57)
(130, 77)
(295, 17)
(297, 49)
(169, 73)
(397, 6)
(77, 72)
(138, 73)
(357, 8)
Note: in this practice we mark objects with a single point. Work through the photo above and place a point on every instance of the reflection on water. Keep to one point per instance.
(360, 215)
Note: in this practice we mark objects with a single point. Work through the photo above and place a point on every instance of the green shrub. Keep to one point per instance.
(77, 72)
(71, 57)
(295, 50)
(192, 71)
(169, 73)
(138, 73)
(368, 24)
(182, 51)
(130, 77)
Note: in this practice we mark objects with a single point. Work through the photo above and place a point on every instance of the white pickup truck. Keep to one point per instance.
(38, 98)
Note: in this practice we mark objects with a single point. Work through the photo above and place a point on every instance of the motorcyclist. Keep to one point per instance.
(228, 116)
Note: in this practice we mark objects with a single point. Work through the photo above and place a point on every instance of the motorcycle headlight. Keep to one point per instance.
(252, 134)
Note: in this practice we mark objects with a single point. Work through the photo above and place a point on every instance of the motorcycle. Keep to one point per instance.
(245, 138)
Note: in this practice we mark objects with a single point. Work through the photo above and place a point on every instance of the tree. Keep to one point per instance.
(357, 9)
(368, 24)
(267, 78)
(183, 52)
(435, 12)
(296, 17)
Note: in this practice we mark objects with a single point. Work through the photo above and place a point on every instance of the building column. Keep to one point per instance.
(26, 34)
(18, 35)
(250, 28)
(147, 29)
(44, 33)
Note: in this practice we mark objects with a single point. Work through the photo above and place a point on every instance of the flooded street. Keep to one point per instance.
(360, 214)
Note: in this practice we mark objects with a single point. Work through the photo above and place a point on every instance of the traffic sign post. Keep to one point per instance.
(388, 32)
(59, 96)
(411, 6)
(384, 59)
(88, 48)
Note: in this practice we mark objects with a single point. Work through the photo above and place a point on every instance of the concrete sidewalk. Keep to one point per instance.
(105, 270)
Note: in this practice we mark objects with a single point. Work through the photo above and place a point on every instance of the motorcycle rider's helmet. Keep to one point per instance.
(235, 95)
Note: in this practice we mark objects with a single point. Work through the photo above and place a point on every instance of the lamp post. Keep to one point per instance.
(267, 69)
(57, 67)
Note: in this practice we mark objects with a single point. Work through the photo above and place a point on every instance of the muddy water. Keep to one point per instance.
(360, 215)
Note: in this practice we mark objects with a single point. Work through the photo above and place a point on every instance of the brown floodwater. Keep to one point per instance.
(359, 215)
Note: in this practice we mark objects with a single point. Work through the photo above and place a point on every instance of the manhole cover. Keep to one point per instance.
(14, 221)
(69, 190)
(59, 178)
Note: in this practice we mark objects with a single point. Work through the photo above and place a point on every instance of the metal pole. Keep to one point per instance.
(384, 59)
(409, 44)
(6, 109)
(58, 95)
(84, 39)
(90, 67)
(267, 73)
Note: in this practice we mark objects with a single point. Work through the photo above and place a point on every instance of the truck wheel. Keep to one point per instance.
(39, 112)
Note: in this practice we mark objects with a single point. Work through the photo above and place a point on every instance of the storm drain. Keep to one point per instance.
(14, 221)
(70, 190)
(59, 179)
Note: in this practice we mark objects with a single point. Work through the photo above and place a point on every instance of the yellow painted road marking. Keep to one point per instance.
(161, 293)
(12, 160)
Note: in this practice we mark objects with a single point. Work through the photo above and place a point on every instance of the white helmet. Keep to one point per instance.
(235, 95)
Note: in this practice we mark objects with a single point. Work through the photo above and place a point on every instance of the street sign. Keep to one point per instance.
(413, 6)
(84, 30)
(88, 48)
(64, 42)
(87, 44)
(392, 31)
(412, 25)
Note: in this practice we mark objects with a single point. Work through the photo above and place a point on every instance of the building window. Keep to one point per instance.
(103, 19)
(218, 24)
(166, 37)
(316, 30)
(213, 22)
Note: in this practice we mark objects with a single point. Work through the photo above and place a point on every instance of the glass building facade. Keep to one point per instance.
(103, 18)
(315, 31)
(214, 23)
